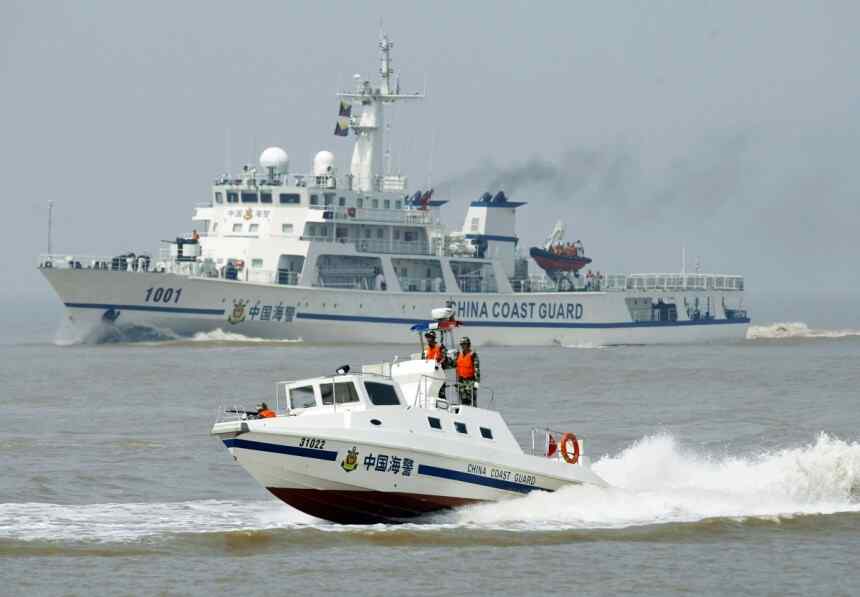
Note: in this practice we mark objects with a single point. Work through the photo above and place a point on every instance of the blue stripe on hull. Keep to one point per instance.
(150, 308)
(527, 324)
(445, 473)
(410, 321)
(280, 449)
(423, 469)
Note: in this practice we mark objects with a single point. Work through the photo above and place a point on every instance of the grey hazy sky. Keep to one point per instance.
(731, 128)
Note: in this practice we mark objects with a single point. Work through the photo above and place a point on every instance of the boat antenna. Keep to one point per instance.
(50, 223)
(683, 260)
(430, 158)
(227, 150)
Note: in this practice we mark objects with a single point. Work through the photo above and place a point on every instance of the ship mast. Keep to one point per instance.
(369, 124)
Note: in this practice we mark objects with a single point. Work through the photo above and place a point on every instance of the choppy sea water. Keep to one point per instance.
(735, 469)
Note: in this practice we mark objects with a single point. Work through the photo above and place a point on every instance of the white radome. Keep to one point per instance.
(323, 163)
(275, 158)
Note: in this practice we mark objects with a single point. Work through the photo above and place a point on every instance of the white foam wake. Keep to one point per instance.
(656, 481)
(796, 329)
(220, 335)
(133, 521)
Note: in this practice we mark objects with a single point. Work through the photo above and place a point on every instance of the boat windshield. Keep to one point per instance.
(381, 394)
(338, 393)
(302, 397)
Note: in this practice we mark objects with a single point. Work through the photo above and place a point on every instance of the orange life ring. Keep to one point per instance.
(564, 451)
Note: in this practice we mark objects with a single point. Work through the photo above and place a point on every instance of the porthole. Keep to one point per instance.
(375, 422)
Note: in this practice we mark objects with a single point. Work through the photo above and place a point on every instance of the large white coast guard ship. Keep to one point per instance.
(350, 258)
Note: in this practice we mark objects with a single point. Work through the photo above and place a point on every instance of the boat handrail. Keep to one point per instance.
(423, 398)
(557, 434)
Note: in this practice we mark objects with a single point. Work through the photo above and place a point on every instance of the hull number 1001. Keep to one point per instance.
(162, 295)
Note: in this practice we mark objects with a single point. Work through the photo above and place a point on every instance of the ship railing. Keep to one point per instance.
(422, 284)
(449, 396)
(534, 283)
(679, 281)
(394, 214)
(369, 245)
(544, 450)
(143, 263)
(129, 262)
(476, 284)
(400, 247)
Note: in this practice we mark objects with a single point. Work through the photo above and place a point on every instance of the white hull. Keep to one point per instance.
(316, 482)
(345, 316)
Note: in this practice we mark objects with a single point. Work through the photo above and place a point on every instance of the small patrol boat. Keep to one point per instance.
(393, 442)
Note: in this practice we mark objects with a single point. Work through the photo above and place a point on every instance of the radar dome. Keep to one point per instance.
(275, 159)
(324, 163)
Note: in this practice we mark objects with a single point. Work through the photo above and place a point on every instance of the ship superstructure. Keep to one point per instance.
(334, 256)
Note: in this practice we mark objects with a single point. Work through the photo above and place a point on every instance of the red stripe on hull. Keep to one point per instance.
(365, 507)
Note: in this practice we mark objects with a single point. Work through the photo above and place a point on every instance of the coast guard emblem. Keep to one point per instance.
(237, 315)
(350, 463)
(249, 213)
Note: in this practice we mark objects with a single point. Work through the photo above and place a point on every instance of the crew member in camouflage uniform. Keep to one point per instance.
(468, 373)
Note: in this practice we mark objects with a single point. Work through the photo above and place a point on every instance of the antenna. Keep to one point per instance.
(430, 160)
(227, 150)
(683, 260)
(50, 223)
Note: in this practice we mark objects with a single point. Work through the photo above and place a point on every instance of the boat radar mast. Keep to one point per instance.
(369, 124)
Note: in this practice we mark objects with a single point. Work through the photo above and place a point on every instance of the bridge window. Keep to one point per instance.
(398, 204)
(375, 204)
(328, 198)
(302, 397)
(460, 427)
(249, 197)
(253, 228)
(341, 201)
(286, 228)
(435, 423)
(315, 199)
(338, 393)
(381, 394)
(293, 198)
(359, 202)
(386, 204)
(232, 197)
(219, 197)
(265, 197)
(237, 227)
(256, 263)
(486, 433)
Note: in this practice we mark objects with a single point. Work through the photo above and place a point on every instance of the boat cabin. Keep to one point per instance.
(347, 392)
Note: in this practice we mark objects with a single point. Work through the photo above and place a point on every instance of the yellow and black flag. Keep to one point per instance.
(341, 129)
(345, 109)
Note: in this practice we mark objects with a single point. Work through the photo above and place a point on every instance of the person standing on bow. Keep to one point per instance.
(468, 373)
